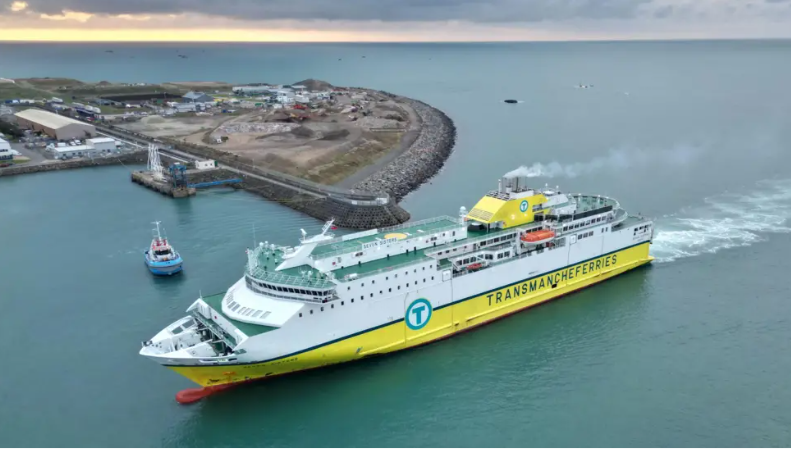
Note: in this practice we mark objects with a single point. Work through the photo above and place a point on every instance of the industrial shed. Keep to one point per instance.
(54, 125)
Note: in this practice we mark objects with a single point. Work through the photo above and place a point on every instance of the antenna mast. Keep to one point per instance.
(154, 164)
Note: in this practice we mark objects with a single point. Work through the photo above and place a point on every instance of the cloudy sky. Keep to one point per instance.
(391, 20)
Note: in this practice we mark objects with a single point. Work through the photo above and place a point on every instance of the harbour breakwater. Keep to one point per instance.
(372, 203)
(421, 161)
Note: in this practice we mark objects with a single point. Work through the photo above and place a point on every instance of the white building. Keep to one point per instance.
(204, 165)
(103, 144)
(251, 90)
(186, 107)
(5, 150)
(98, 147)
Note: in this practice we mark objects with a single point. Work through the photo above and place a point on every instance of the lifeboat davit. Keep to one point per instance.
(541, 236)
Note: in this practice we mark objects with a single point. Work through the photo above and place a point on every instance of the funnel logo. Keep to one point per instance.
(417, 314)
(523, 206)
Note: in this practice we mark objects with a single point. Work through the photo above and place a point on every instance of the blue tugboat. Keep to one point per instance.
(161, 258)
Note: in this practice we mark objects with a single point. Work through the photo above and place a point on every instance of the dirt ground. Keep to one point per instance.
(326, 144)
(158, 126)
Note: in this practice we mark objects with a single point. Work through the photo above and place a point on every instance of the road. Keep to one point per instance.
(35, 156)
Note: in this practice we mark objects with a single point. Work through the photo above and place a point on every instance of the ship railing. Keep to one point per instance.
(434, 251)
(604, 200)
(359, 246)
(420, 223)
(309, 296)
(276, 277)
(529, 253)
(358, 276)
(214, 328)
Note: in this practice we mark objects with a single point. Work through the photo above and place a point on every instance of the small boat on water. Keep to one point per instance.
(161, 258)
(511, 101)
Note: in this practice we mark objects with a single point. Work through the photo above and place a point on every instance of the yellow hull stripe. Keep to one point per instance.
(445, 321)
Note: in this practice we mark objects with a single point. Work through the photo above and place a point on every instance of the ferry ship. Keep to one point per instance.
(336, 299)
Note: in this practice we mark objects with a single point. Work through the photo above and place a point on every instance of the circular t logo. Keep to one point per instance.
(523, 206)
(418, 313)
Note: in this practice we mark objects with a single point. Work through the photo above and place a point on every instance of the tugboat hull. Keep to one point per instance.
(166, 268)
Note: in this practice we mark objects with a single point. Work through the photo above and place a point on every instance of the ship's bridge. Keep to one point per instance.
(514, 204)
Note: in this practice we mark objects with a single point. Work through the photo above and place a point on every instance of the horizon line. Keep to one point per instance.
(526, 41)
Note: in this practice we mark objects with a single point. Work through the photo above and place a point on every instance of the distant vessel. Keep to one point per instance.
(511, 101)
(161, 258)
(337, 299)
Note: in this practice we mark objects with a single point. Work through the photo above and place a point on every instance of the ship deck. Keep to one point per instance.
(408, 230)
(215, 302)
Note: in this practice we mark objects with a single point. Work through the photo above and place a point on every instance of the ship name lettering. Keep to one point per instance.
(517, 291)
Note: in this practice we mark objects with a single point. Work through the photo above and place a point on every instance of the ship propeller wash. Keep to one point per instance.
(336, 299)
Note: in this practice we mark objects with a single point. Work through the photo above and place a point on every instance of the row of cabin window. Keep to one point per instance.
(641, 228)
(362, 297)
(584, 234)
(387, 278)
(587, 223)
(294, 290)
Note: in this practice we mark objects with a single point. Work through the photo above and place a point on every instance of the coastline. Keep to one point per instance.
(366, 198)
(423, 159)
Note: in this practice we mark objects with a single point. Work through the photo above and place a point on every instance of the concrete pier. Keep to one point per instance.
(164, 187)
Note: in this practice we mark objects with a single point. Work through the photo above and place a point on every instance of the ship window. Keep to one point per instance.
(399, 287)
(380, 292)
(424, 268)
(415, 270)
(332, 306)
(372, 295)
(341, 302)
(454, 232)
(352, 299)
(300, 315)
(431, 266)
(311, 311)
(395, 276)
(407, 284)
(389, 290)
(322, 309)
(432, 278)
(373, 282)
(255, 315)
(406, 273)
(361, 298)
(387, 278)
(348, 288)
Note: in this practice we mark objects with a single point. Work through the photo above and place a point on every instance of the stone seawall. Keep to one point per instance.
(424, 158)
(137, 157)
(346, 214)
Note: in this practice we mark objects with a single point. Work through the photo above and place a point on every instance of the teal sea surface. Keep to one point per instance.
(691, 351)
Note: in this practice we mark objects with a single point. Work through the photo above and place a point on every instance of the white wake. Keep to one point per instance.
(724, 221)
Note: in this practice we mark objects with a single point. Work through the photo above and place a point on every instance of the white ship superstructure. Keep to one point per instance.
(335, 299)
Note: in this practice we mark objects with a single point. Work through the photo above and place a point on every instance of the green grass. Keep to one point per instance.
(15, 91)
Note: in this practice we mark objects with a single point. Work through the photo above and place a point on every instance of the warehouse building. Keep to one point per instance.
(54, 125)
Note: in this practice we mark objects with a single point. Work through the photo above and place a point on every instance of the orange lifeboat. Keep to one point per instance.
(538, 236)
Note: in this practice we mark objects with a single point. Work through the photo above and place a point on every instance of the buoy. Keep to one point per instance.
(191, 395)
